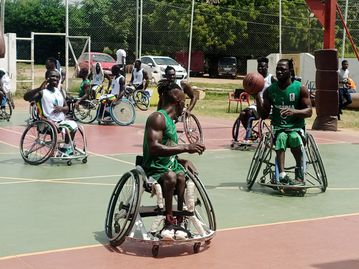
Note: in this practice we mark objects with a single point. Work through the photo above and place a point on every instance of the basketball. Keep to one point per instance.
(253, 83)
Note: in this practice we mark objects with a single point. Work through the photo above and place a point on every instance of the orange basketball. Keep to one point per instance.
(253, 83)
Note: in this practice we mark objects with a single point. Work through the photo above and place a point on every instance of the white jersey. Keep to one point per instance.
(48, 101)
(343, 75)
(98, 79)
(5, 82)
(115, 85)
(137, 76)
(121, 56)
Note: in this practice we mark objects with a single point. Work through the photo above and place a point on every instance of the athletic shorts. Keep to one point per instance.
(288, 139)
(69, 124)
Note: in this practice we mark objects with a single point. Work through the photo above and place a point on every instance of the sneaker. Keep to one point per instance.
(168, 234)
(180, 235)
(296, 182)
(284, 180)
(108, 118)
(66, 151)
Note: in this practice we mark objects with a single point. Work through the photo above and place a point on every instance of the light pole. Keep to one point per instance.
(280, 26)
(190, 43)
(345, 20)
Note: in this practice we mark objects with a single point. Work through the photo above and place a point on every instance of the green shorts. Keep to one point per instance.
(288, 139)
(156, 175)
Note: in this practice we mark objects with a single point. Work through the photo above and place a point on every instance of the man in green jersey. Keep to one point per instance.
(160, 149)
(85, 89)
(290, 103)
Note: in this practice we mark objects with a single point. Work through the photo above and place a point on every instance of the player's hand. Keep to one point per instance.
(58, 109)
(285, 112)
(196, 148)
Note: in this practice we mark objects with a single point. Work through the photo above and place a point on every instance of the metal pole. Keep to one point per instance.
(140, 41)
(137, 9)
(190, 43)
(344, 32)
(3, 16)
(67, 46)
(280, 26)
(32, 60)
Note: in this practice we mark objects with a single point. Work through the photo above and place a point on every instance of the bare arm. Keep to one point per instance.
(187, 88)
(305, 109)
(156, 125)
(145, 76)
(86, 95)
(264, 106)
(35, 94)
(122, 88)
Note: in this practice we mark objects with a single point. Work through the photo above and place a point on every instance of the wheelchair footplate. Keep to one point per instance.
(299, 190)
(244, 145)
(141, 235)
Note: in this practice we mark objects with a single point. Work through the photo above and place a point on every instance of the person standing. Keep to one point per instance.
(344, 93)
(121, 58)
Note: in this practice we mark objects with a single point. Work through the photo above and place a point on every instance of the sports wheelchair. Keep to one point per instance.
(6, 109)
(191, 130)
(138, 97)
(129, 218)
(254, 134)
(42, 140)
(122, 112)
(314, 172)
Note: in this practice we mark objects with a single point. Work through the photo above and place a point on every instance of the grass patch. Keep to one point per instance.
(228, 87)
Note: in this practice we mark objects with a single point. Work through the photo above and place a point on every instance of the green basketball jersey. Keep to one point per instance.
(287, 98)
(82, 87)
(155, 166)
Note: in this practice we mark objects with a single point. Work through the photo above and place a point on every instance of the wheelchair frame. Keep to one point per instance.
(47, 141)
(6, 112)
(124, 218)
(315, 175)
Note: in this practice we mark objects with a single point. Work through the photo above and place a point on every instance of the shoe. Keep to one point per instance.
(180, 235)
(284, 180)
(168, 233)
(296, 182)
(108, 118)
(66, 151)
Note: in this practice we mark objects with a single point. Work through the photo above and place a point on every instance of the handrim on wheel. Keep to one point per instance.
(192, 128)
(123, 112)
(86, 113)
(141, 99)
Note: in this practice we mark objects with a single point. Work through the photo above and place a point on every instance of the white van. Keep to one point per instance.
(158, 65)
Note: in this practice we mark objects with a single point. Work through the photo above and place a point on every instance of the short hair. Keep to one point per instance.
(116, 68)
(168, 68)
(263, 60)
(47, 73)
(165, 87)
(52, 60)
(344, 61)
(138, 61)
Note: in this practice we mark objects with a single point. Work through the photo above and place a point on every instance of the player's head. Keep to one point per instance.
(98, 68)
(284, 70)
(170, 73)
(53, 77)
(138, 64)
(172, 96)
(83, 72)
(345, 64)
(262, 66)
(115, 70)
(50, 63)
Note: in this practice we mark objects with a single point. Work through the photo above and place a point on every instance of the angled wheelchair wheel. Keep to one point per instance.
(192, 128)
(123, 112)
(238, 131)
(203, 210)
(6, 111)
(261, 154)
(79, 142)
(141, 99)
(263, 128)
(86, 113)
(123, 208)
(315, 160)
(38, 142)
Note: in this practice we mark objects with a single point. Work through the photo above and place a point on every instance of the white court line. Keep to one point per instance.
(220, 230)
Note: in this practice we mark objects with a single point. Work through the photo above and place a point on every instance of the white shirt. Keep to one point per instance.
(137, 76)
(121, 56)
(98, 79)
(115, 85)
(343, 74)
(5, 81)
(48, 101)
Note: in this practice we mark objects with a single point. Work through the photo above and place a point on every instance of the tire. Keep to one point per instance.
(80, 142)
(123, 208)
(87, 111)
(238, 130)
(315, 159)
(123, 113)
(38, 142)
(261, 153)
(192, 128)
(204, 210)
(141, 99)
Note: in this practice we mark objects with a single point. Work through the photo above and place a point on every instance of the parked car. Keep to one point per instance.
(158, 65)
(227, 67)
(197, 62)
(95, 57)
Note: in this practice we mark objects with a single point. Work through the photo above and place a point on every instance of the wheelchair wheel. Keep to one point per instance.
(79, 142)
(123, 113)
(38, 142)
(141, 99)
(6, 111)
(260, 155)
(314, 158)
(86, 113)
(123, 208)
(192, 128)
(238, 131)
(204, 210)
(263, 128)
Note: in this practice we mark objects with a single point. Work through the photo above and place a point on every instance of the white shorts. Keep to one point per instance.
(69, 124)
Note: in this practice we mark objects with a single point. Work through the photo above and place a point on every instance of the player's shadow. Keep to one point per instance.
(348, 264)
